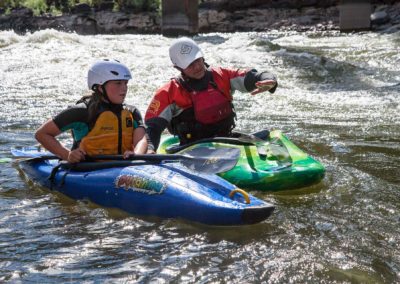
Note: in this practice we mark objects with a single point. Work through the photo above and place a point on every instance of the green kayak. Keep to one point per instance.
(268, 161)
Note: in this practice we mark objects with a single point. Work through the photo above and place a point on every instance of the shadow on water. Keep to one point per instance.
(375, 155)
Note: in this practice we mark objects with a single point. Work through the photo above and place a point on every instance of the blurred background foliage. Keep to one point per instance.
(56, 7)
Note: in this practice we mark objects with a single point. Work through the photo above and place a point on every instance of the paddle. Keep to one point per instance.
(257, 139)
(265, 147)
(253, 139)
(202, 159)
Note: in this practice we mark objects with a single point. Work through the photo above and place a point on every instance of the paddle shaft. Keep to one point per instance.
(203, 159)
(149, 157)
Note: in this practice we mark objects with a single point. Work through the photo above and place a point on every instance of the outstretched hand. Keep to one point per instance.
(263, 86)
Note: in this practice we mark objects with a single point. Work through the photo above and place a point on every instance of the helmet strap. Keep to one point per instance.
(105, 95)
(178, 68)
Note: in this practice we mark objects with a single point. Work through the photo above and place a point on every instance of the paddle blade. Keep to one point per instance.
(211, 160)
(258, 142)
(268, 148)
(262, 134)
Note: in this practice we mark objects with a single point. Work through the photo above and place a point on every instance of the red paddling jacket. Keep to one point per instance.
(196, 109)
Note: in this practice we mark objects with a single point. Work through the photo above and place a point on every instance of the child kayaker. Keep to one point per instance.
(101, 123)
(198, 103)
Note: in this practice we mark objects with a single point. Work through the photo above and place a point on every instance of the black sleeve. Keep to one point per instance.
(154, 127)
(138, 118)
(68, 118)
(253, 76)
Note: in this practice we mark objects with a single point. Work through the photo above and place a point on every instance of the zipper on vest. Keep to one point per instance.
(119, 133)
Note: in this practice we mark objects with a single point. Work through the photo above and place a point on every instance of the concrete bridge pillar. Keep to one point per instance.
(355, 15)
(179, 17)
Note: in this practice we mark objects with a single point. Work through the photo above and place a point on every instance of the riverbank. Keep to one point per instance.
(212, 18)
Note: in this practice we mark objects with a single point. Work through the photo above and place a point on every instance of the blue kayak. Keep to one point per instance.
(166, 190)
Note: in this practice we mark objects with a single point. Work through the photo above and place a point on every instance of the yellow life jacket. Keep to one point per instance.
(110, 135)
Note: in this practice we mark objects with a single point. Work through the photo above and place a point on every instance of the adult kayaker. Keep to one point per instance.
(198, 103)
(101, 123)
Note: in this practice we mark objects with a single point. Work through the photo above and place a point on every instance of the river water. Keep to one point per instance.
(338, 100)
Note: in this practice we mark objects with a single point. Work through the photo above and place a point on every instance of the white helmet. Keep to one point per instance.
(106, 70)
(183, 52)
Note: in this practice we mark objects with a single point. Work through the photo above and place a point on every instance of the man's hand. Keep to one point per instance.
(76, 156)
(128, 153)
(263, 86)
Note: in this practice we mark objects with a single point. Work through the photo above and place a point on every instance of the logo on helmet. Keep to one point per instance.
(186, 49)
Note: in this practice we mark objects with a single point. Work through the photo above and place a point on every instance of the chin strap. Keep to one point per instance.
(105, 95)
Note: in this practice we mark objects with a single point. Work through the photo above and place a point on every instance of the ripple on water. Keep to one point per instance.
(337, 99)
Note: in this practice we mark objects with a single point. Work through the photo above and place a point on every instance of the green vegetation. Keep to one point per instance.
(64, 6)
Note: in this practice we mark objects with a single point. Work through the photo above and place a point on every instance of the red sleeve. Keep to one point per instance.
(167, 100)
(231, 73)
(159, 103)
(230, 79)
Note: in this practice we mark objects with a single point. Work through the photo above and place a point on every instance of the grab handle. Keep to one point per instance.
(244, 193)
